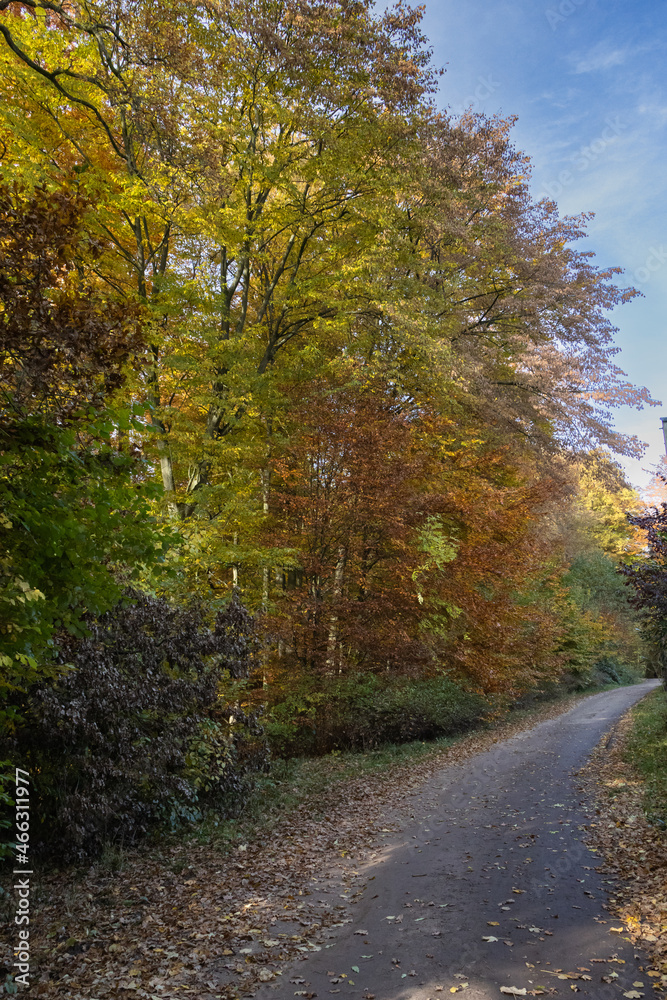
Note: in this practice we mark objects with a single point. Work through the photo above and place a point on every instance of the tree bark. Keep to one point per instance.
(339, 573)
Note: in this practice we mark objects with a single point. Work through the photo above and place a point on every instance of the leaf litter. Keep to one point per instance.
(179, 919)
(632, 851)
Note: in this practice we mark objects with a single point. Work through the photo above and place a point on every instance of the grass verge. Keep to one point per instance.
(627, 780)
(646, 751)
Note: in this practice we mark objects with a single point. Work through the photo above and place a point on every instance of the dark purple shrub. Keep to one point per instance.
(135, 734)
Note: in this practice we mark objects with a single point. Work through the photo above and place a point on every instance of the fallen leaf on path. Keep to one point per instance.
(202, 905)
(514, 991)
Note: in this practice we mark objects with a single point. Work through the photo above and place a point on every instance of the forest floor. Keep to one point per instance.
(189, 918)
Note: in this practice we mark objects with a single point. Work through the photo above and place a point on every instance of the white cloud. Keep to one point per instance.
(655, 111)
(601, 57)
(604, 55)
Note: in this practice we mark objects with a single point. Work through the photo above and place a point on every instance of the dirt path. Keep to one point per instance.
(494, 849)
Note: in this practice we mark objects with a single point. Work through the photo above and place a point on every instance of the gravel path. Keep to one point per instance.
(494, 849)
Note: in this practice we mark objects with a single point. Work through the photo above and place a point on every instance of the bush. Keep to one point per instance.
(359, 712)
(135, 733)
(609, 670)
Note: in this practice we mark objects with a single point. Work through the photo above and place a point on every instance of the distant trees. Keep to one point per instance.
(647, 577)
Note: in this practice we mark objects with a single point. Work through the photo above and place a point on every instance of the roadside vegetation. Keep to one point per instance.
(627, 779)
(647, 753)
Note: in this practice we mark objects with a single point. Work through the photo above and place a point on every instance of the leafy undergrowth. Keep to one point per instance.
(628, 772)
(211, 919)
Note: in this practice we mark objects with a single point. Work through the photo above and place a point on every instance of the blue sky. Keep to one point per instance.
(586, 79)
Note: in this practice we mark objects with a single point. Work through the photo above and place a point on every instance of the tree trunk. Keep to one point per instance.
(333, 620)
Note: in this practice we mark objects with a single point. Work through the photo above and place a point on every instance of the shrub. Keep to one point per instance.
(135, 733)
(359, 712)
(609, 670)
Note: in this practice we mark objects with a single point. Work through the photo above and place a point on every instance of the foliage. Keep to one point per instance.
(257, 289)
(63, 343)
(598, 591)
(599, 641)
(72, 524)
(397, 522)
(611, 670)
(647, 576)
(361, 711)
(73, 515)
(136, 732)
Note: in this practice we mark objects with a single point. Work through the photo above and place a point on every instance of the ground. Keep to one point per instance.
(634, 851)
(468, 871)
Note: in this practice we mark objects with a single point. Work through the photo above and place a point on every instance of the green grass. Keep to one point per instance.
(647, 752)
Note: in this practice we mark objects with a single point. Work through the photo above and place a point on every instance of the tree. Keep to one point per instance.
(246, 155)
(495, 297)
(64, 345)
(368, 354)
(395, 522)
(647, 576)
(73, 521)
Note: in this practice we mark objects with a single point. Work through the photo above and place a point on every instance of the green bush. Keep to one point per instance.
(359, 712)
(609, 670)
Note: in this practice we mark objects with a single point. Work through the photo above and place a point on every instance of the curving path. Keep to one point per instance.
(495, 850)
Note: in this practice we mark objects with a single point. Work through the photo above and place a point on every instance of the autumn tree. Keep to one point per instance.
(272, 190)
(397, 523)
(63, 343)
(245, 152)
(70, 515)
(489, 288)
